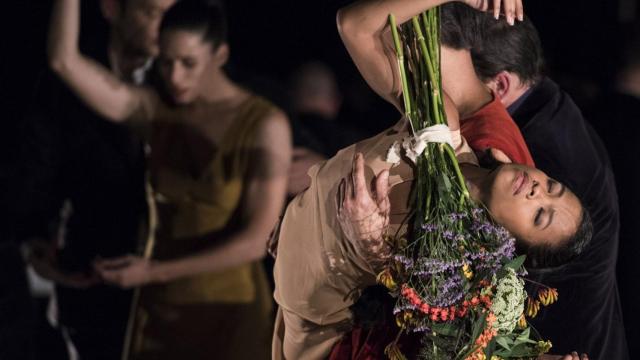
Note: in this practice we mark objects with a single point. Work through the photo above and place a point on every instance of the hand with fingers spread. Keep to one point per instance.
(512, 9)
(126, 271)
(364, 218)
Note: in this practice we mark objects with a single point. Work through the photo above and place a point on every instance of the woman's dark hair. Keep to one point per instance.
(546, 256)
(206, 17)
(494, 44)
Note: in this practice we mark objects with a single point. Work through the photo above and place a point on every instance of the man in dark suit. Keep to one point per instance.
(509, 60)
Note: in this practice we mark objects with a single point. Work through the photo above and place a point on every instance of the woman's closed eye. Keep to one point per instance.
(555, 188)
(537, 220)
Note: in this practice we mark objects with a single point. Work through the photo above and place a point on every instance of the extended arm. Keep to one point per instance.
(262, 205)
(363, 27)
(99, 88)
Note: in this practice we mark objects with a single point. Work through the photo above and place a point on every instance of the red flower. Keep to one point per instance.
(424, 308)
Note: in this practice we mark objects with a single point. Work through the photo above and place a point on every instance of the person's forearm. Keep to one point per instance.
(364, 32)
(241, 248)
(92, 82)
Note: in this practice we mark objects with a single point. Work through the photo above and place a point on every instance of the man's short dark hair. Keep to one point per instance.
(458, 25)
(547, 256)
(206, 17)
(494, 44)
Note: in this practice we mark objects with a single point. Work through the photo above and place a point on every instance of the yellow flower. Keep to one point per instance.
(522, 323)
(495, 357)
(466, 270)
(548, 296)
(533, 306)
(544, 346)
(553, 295)
(385, 278)
(407, 316)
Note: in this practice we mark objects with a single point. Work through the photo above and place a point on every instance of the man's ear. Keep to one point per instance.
(110, 9)
(501, 84)
(221, 54)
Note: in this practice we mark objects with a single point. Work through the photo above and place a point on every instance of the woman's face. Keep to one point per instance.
(532, 206)
(184, 62)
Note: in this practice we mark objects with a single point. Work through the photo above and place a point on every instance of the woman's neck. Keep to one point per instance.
(219, 88)
(475, 177)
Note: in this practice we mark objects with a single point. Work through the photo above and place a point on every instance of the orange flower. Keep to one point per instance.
(522, 323)
(533, 306)
(548, 296)
(491, 318)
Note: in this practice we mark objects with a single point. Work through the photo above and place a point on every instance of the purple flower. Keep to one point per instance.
(406, 261)
(448, 234)
(457, 216)
(429, 227)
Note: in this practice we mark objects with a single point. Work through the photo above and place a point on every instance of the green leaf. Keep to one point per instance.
(478, 326)
(518, 351)
(491, 347)
(505, 342)
(524, 336)
(445, 329)
(516, 263)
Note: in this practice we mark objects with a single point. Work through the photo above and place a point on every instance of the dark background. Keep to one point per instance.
(582, 40)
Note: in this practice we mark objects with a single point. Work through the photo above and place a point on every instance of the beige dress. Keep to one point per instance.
(198, 189)
(318, 272)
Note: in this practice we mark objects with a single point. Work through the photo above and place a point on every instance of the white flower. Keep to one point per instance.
(508, 304)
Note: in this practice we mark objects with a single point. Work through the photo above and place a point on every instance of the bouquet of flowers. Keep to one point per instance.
(457, 280)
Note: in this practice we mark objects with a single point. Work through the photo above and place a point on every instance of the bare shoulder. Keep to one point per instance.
(274, 128)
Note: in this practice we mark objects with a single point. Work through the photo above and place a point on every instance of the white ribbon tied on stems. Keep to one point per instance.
(414, 145)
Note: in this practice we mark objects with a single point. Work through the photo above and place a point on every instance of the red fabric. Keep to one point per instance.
(361, 344)
(493, 127)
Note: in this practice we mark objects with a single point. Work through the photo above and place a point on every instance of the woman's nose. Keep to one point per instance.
(176, 75)
(534, 192)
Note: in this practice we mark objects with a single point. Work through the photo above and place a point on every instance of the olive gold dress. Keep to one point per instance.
(198, 189)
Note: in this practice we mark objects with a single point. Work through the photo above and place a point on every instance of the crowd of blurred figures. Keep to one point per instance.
(76, 188)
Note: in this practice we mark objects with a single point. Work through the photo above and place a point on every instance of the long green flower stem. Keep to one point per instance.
(400, 54)
(430, 69)
(433, 77)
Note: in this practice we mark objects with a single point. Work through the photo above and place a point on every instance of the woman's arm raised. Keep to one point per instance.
(99, 88)
(363, 27)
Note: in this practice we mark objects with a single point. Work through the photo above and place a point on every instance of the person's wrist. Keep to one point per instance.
(157, 272)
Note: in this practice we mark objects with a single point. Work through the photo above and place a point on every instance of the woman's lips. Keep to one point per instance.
(178, 93)
(519, 183)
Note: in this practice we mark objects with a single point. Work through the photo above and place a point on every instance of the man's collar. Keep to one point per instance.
(516, 104)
